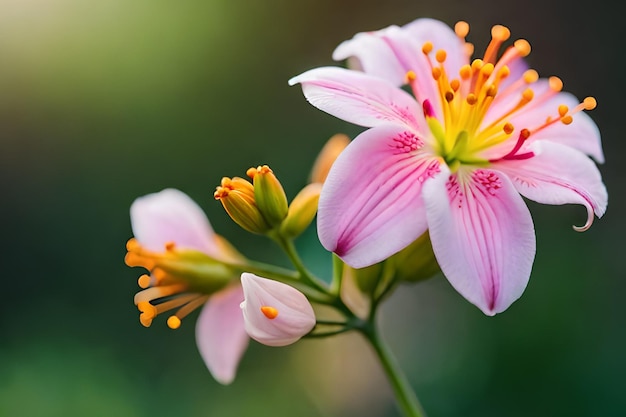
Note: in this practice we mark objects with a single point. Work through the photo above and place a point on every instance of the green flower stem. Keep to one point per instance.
(335, 286)
(405, 396)
(306, 276)
(285, 276)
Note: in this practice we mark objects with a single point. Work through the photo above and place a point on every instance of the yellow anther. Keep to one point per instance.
(492, 90)
(251, 172)
(522, 46)
(436, 73)
(567, 120)
(590, 103)
(465, 72)
(528, 94)
(504, 72)
(410, 76)
(477, 64)
(555, 84)
(147, 310)
(530, 76)
(471, 99)
(563, 109)
(440, 56)
(500, 33)
(487, 69)
(455, 84)
(508, 128)
(449, 96)
(461, 29)
(145, 321)
(427, 47)
(173, 322)
(269, 312)
(144, 281)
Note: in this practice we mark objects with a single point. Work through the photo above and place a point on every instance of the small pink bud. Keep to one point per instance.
(275, 314)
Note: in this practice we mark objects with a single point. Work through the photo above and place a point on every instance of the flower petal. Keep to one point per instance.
(221, 334)
(370, 206)
(482, 235)
(558, 174)
(171, 216)
(359, 98)
(275, 314)
(391, 52)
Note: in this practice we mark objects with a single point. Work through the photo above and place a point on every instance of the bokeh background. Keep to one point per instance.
(104, 101)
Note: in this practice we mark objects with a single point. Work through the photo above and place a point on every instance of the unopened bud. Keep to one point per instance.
(238, 198)
(327, 156)
(274, 313)
(301, 211)
(269, 195)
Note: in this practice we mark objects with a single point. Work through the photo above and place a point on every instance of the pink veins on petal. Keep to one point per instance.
(455, 157)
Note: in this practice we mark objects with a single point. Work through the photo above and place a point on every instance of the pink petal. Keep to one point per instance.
(295, 316)
(171, 216)
(482, 235)
(359, 98)
(370, 206)
(558, 174)
(220, 334)
(443, 37)
(372, 53)
(391, 52)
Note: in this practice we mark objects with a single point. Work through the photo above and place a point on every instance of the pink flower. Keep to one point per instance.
(453, 157)
(170, 220)
(275, 314)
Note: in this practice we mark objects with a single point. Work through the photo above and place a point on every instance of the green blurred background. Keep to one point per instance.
(104, 101)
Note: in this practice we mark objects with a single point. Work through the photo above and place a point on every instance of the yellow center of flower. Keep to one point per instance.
(269, 312)
(462, 125)
(178, 279)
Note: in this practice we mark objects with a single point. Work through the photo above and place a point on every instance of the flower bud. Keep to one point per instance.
(238, 198)
(301, 211)
(327, 156)
(275, 314)
(269, 194)
(417, 261)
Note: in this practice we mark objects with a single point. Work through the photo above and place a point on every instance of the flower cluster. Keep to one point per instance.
(436, 183)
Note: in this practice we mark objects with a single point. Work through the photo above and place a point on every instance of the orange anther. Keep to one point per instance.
(508, 128)
(563, 109)
(436, 73)
(567, 120)
(427, 47)
(173, 322)
(555, 84)
(461, 29)
(144, 281)
(500, 33)
(590, 103)
(455, 84)
(522, 46)
(269, 312)
(530, 76)
(440, 56)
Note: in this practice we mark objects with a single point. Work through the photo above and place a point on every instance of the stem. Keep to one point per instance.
(285, 276)
(306, 276)
(405, 396)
